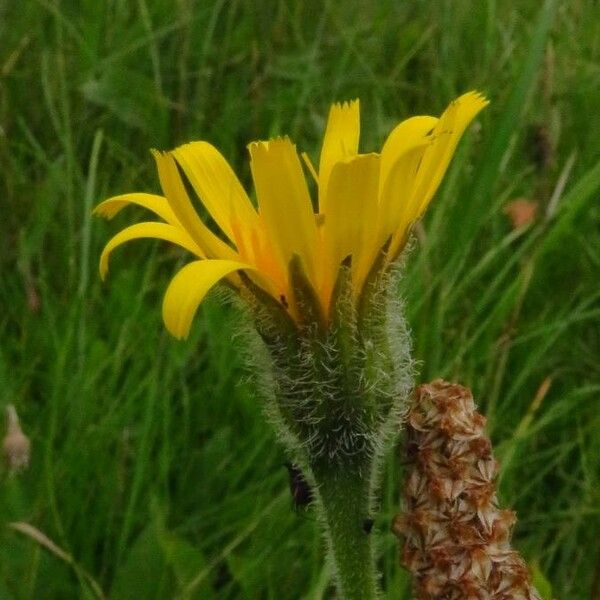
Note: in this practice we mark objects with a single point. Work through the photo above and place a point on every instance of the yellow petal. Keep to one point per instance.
(340, 141)
(157, 204)
(284, 202)
(217, 186)
(181, 205)
(397, 212)
(188, 288)
(405, 136)
(400, 157)
(352, 202)
(161, 231)
(446, 135)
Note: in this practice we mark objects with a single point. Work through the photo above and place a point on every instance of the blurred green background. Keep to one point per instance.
(152, 466)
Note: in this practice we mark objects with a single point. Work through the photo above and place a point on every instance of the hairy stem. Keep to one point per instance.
(343, 501)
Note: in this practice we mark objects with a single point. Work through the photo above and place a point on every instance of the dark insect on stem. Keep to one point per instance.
(368, 525)
(301, 493)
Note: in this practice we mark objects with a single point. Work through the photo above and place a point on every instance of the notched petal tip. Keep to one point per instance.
(103, 268)
(255, 144)
(474, 99)
(346, 105)
(104, 261)
(270, 144)
(107, 209)
(106, 212)
(358, 159)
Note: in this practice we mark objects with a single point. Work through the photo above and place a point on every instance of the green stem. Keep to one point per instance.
(343, 496)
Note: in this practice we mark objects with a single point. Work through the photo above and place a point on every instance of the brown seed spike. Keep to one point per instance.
(455, 537)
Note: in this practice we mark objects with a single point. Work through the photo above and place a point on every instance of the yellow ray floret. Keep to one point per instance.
(217, 186)
(188, 288)
(366, 202)
(349, 223)
(284, 202)
(340, 142)
(445, 137)
(156, 204)
(159, 231)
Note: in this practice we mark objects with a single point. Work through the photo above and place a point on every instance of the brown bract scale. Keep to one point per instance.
(456, 540)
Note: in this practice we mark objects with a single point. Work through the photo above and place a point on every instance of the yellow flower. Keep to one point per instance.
(365, 201)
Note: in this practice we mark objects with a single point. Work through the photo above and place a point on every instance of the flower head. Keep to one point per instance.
(366, 203)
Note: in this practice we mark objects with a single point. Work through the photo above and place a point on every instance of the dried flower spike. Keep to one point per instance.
(16, 445)
(456, 538)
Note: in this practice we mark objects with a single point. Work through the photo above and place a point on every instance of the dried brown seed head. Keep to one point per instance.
(455, 537)
(16, 446)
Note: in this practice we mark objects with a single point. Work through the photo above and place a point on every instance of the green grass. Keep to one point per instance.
(152, 465)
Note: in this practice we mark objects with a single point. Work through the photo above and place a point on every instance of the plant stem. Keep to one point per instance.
(343, 500)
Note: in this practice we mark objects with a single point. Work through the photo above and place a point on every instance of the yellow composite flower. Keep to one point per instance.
(365, 201)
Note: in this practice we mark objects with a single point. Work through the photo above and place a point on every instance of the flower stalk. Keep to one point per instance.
(344, 506)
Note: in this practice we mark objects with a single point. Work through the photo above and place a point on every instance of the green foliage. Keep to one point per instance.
(119, 413)
(542, 585)
(159, 564)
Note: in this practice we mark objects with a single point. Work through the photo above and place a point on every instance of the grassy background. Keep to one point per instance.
(152, 466)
